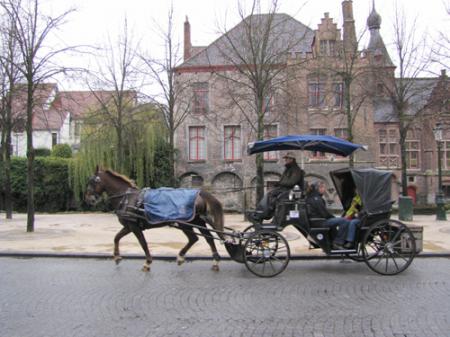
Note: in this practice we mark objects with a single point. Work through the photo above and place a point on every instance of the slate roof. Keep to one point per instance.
(286, 32)
(418, 95)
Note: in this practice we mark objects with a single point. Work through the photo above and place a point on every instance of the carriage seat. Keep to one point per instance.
(317, 222)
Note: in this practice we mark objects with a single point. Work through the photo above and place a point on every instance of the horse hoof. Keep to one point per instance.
(215, 268)
(145, 268)
(180, 260)
(117, 259)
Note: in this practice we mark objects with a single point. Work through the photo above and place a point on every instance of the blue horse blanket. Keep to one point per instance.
(170, 204)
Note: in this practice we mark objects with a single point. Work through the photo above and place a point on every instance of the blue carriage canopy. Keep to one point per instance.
(374, 187)
(320, 143)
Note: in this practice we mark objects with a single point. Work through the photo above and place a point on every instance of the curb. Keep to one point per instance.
(105, 256)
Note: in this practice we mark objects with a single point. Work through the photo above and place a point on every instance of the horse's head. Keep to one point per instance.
(94, 189)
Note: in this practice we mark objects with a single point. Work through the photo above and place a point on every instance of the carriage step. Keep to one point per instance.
(342, 251)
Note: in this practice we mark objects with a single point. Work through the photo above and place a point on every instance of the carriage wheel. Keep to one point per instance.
(249, 230)
(388, 247)
(266, 253)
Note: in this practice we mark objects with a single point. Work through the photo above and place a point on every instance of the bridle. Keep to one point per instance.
(93, 181)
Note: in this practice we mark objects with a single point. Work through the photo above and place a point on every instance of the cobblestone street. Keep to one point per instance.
(89, 297)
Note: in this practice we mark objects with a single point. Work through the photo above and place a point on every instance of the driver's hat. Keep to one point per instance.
(289, 155)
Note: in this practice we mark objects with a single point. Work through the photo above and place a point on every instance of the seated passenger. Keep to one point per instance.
(315, 202)
(347, 229)
(317, 209)
(292, 175)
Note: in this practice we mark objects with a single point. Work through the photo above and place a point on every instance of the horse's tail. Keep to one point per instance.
(215, 208)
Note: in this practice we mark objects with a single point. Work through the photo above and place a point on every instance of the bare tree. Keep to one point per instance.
(161, 71)
(257, 51)
(31, 30)
(10, 76)
(441, 49)
(350, 74)
(405, 90)
(117, 73)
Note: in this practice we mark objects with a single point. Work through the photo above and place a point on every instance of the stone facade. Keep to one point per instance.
(212, 140)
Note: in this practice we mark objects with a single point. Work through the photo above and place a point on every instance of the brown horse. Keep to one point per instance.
(123, 195)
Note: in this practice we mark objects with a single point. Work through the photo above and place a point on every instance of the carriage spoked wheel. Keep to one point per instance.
(388, 247)
(266, 253)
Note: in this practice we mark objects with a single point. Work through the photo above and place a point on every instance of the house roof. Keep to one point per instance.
(51, 106)
(418, 95)
(286, 35)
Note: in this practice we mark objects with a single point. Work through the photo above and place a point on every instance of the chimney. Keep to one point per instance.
(443, 73)
(349, 35)
(187, 39)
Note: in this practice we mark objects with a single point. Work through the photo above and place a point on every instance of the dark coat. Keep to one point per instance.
(316, 206)
(292, 175)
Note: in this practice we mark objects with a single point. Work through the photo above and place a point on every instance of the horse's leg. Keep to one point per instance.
(192, 237)
(211, 242)
(138, 232)
(116, 255)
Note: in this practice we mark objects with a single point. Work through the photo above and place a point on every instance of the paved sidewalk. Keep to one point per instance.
(93, 233)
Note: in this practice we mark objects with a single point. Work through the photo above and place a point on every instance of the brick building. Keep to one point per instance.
(212, 140)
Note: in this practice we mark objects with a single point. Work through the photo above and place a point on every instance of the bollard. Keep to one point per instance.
(405, 208)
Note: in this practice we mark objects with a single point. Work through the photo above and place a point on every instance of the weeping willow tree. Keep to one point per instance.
(145, 149)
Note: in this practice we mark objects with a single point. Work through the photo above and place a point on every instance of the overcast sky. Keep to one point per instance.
(94, 20)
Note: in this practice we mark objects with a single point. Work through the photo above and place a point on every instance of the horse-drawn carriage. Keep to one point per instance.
(387, 246)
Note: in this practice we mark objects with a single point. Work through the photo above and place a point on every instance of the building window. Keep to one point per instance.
(201, 98)
(388, 140)
(197, 143)
(327, 47)
(196, 181)
(341, 133)
(412, 147)
(446, 190)
(268, 104)
(316, 93)
(232, 142)
(54, 138)
(338, 95)
(270, 131)
(445, 154)
(77, 129)
(380, 89)
(316, 154)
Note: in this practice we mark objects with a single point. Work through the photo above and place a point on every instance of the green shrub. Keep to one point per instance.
(42, 152)
(62, 151)
(51, 189)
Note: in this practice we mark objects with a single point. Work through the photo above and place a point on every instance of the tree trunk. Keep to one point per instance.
(30, 161)
(348, 110)
(259, 177)
(403, 161)
(7, 170)
(173, 180)
(260, 158)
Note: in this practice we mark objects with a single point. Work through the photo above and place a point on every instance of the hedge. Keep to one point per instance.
(52, 191)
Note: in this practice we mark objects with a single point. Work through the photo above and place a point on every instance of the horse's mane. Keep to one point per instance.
(122, 177)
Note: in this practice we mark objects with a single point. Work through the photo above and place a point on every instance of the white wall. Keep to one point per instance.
(41, 139)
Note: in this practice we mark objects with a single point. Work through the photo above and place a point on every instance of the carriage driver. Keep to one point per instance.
(292, 175)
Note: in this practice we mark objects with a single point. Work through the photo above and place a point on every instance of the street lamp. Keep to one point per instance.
(440, 203)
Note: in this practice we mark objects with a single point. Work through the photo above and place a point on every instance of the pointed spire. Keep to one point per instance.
(374, 19)
(376, 44)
